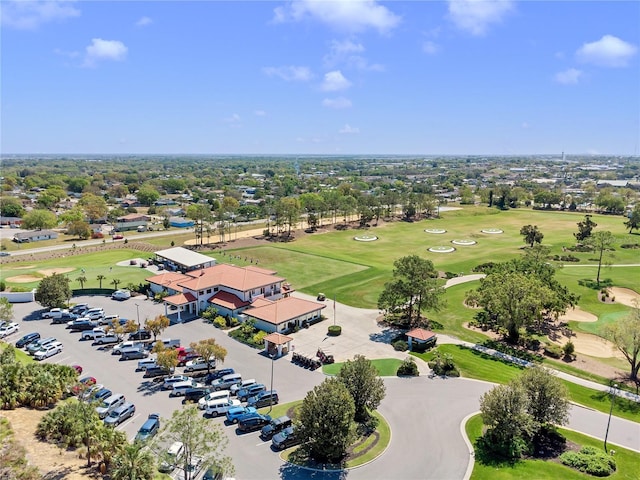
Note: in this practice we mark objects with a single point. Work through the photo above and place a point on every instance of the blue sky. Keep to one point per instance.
(321, 77)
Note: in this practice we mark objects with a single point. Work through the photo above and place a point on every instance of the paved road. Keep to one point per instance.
(424, 413)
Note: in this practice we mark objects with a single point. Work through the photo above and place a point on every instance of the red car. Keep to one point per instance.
(118, 236)
(77, 368)
(83, 384)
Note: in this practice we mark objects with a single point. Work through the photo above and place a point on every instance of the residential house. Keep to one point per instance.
(34, 236)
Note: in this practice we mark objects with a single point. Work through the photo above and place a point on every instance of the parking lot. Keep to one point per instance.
(250, 454)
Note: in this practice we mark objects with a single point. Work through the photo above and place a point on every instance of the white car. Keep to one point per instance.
(169, 382)
(179, 388)
(48, 351)
(121, 295)
(8, 329)
(117, 350)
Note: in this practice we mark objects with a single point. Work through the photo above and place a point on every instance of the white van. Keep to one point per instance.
(110, 404)
(220, 407)
(227, 381)
(213, 397)
(171, 342)
(172, 457)
(239, 386)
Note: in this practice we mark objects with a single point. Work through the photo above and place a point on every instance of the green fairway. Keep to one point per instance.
(627, 461)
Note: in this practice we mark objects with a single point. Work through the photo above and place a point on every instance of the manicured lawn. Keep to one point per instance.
(480, 366)
(627, 461)
(21, 356)
(387, 367)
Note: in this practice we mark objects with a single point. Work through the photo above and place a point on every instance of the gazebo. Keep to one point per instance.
(277, 343)
(421, 337)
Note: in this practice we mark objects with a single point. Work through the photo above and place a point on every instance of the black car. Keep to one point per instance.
(276, 426)
(27, 339)
(156, 372)
(266, 398)
(195, 394)
(64, 318)
(216, 374)
(82, 326)
(253, 421)
(213, 473)
(140, 335)
(285, 439)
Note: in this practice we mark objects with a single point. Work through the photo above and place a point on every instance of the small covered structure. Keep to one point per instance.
(183, 259)
(277, 344)
(421, 339)
(182, 302)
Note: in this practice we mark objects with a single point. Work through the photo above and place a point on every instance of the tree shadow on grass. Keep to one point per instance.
(622, 404)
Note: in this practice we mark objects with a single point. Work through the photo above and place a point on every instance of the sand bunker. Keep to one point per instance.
(24, 267)
(625, 296)
(50, 271)
(23, 279)
(578, 315)
(591, 345)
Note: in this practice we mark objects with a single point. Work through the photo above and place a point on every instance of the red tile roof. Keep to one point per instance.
(421, 334)
(227, 300)
(277, 338)
(237, 278)
(167, 279)
(261, 302)
(284, 310)
(180, 299)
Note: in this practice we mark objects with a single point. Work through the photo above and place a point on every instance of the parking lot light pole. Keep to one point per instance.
(613, 398)
(138, 312)
(273, 356)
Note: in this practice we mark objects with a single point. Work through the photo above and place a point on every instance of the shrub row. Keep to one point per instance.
(590, 460)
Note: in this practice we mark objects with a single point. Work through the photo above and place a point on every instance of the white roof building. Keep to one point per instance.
(178, 258)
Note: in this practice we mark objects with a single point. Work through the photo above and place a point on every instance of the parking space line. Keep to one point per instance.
(124, 424)
(59, 360)
(262, 443)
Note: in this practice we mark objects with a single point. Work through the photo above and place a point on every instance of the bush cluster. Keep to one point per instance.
(552, 350)
(565, 258)
(408, 368)
(590, 460)
(443, 365)
(513, 351)
(400, 345)
(334, 330)
(246, 333)
(630, 245)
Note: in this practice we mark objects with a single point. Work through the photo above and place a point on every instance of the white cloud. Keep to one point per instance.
(104, 50)
(233, 121)
(260, 113)
(65, 53)
(143, 22)
(348, 129)
(609, 51)
(347, 15)
(290, 73)
(336, 103)
(430, 48)
(335, 81)
(347, 53)
(570, 76)
(475, 16)
(30, 14)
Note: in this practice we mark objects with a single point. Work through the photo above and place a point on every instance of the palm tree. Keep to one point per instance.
(81, 279)
(44, 390)
(100, 278)
(133, 462)
(110, 442)
(115, 282)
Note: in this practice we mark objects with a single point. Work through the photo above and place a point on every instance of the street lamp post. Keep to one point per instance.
(613, 397)
(138, 312)
(273, 356)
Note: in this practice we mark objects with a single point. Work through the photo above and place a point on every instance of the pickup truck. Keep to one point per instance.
(91, 334)
(106, 338)
(55, 313)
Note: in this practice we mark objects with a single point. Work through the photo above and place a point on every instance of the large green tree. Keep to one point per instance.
(531, 234)
(367, 389)
(147, 195)
(625, 335)
(412, 289)
(39, 219)
(11, 207)
(548, 397)
(633, 223)
(600, 242)
(133, 462)
(199, 213)
(211, 351)
(6, 310)
(585, 228)
(325, 421)
(201, 439)
(53, 291)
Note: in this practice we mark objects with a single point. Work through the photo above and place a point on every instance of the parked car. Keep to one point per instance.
(250, 391)
(80, 308)
(9, 329)
(83, 384)
(180, 388)
(106, 339)
(91, 391)
(213, 473)
(94, 313)
(54, 312)
(109, 404)
(118, 236)
(227, 381)
(250, 422)
(243, 384)
(156, 371)
(27, 339)
(111, 320)
(199, 365)
(91, 334)
(101, 394)
(66, 317)
(195, 394)
(186, 354)
(149, 428)
(117, 350)
(48, 351)
(169, 382)
(213, 397)
(140, 335)
(263, 399)
(33, 347)
(235, 413)
(217, 374)
(146, 363)
(171, 458)
(121, 295)
(133, 353)
(220, 406)
(120, 414)
(81, 325)
(285, 439)
(276, 425)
